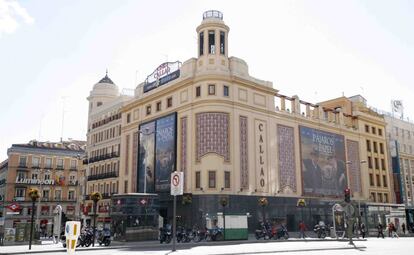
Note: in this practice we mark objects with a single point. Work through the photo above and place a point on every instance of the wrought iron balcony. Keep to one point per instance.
(103, 176)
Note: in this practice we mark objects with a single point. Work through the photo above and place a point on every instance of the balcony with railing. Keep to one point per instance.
(101, 157)
(111, 174)
(73, 183)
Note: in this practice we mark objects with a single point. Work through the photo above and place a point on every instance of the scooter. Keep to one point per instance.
(104, 237)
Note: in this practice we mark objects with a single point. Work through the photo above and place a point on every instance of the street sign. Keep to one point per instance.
(177, 183)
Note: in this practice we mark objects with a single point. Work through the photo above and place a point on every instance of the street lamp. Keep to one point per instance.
(359, 188)
(40, 171)
(223, 202)
(34, 195)
(263, 202)
(95, 196)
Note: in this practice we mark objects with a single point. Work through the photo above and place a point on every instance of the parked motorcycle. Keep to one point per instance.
(279, 233)
(201, 234)
(165, 234)
(320, 230)
(264, 231)
(216, 234)
(104, 237)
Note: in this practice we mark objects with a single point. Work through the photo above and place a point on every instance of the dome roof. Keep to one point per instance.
(105, 87)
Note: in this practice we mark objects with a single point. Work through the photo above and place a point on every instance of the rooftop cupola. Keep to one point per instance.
(212, 41)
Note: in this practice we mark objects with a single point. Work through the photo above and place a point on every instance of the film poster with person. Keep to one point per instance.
(323, 162)
(146, 158)
(165, 152)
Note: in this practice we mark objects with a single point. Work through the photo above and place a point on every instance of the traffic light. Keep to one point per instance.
(347, 193)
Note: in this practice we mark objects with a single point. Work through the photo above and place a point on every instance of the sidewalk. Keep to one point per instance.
(49, 247)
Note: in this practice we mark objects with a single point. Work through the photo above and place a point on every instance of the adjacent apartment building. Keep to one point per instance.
(55, 169)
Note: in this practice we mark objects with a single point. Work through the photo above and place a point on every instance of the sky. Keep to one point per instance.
(53, 52)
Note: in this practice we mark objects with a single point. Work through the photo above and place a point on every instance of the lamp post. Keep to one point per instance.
(95, 196)
(223, 202)
(34, 195)
(40, 171)
(263, 203)
(358, 181)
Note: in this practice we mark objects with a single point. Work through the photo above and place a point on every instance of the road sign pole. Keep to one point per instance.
(174, 222)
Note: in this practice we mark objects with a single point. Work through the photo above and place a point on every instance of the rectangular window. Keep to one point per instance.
(34, 176)
(73, 164)
(384, 181)
(379, 131)
(158, 106)
(378, 180)
(227, 179)
(45, 196)
(169, 102)
(374, 130)
(21, 175)
(201, 41)
(20, 192)
(58, 195)
(126, 187)
(211, 42)
(128, 118)
(198, 91)
(211, 89)
(396, 131)
(380, 197)
(198, 180)
(22, 161)
(367, 128)
(373, 198)
(375, 147)
(148, 109)
(59, 164)
(383, 164)
(385, 198)
(376, 163)
(35, 162)
(222, 42)
(48, 163)
(371, 179)
(368, 145)
(226, 91)
(369, 162)
(71, 195)
(211, 179)
(381, 145)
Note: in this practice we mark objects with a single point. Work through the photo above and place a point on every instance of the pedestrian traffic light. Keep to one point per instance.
(347, 193)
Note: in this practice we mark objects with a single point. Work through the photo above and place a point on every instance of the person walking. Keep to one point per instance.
(380, 230)
(389, 228)
(302, 229)
(393, 231)
(403, 227)
(363, 230)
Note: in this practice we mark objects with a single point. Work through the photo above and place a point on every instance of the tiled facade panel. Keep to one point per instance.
(244, 158)
(134, 161)
(286, 151)
(183, 155)
(212, 134)
(354, 169)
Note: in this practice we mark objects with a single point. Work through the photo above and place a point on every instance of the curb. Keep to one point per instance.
(183, 245)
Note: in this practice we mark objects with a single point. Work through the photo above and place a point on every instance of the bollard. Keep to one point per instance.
(72, 232)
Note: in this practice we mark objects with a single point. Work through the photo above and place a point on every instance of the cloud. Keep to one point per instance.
(11, 15)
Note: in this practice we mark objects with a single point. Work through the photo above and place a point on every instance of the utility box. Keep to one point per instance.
(236, 227)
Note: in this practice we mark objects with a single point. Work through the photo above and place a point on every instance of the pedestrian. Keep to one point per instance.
(389, 228)
(403, 227)
(302, 229)
(363, 230)
(380, 230)
(393, 231)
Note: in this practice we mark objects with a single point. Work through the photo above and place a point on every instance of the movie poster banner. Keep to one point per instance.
(323, 162)
(146, 158)
(165, 152)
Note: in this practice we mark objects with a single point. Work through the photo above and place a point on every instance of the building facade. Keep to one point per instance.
(236, 137)
(400, 135)
(103, 147)
(54, 169)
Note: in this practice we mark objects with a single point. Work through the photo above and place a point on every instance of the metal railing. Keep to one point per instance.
(103, 176)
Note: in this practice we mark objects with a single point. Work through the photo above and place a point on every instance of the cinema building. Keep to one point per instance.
(237, 137)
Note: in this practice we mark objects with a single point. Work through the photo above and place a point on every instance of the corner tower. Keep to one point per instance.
(212, 36)
(104, 91)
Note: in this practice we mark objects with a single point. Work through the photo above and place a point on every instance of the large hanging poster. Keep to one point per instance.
(146, 158)
(157, 154)
(323, 162)
(165, 152)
